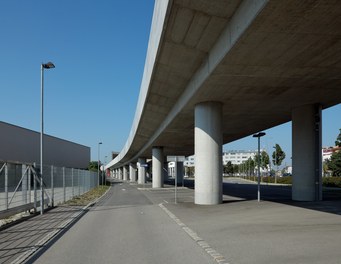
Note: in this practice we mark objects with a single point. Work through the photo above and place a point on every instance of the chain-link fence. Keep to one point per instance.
(20, 186)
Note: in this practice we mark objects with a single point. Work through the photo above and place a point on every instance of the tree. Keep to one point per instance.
(334, 164)
(93, 166)
(278, 155)
(242, 168)
(250, 166)
(325, 167)
(228, 168)
(189, 171)
(264, 160)
(235, 168)
(338, 140)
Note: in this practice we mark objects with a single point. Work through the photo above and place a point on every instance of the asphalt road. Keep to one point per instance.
(145, 225)
(125, 227)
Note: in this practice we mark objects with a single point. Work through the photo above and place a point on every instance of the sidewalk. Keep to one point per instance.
(21, 240)
(25, 238)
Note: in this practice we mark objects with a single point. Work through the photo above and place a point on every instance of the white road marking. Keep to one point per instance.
(202, 243)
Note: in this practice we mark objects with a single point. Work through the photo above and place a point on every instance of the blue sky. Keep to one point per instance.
(99, 49)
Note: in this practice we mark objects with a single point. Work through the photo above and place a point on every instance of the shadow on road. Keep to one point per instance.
(239, 192)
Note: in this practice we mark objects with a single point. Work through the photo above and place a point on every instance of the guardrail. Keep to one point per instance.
(20, 186)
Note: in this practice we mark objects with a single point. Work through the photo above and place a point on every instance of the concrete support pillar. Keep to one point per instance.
(125, 173)
(179, 172)
(120, 173)
(208, 153)
(148, 174)
(307, 153)
(132, 172)
(165, 171)
(141, 171)
(157, 163)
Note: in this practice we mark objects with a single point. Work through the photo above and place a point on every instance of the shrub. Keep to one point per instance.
(331, 181)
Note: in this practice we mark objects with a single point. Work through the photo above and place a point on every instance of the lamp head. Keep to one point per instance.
(260, 134)
(48, 65)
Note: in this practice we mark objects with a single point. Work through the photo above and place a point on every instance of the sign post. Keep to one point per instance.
(176, 159)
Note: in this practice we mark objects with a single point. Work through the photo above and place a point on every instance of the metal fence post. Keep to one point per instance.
(79, 186)
(29, 185)
(64, 187)
(73, 191)
(84, 189)
(35, 178)
(6, 185)
(52, 187)
(24, 184)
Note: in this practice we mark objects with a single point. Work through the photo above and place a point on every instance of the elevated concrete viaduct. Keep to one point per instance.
(220, 70)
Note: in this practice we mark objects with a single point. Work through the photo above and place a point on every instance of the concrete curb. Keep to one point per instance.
(75, 217)
(161, 189)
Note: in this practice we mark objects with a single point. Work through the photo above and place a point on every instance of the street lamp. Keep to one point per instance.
(43, 66)
(259, 135)
(105, 176)
(276, 164)
(99, 144)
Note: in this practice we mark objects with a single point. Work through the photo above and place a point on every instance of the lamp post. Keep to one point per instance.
(43, 66)
(276, 164)
(105, 175)
(259, 135)
(98, 164)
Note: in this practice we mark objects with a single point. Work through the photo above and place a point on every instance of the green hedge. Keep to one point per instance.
(332, 182)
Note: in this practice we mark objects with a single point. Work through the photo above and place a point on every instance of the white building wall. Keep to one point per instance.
(190, 161)
(327, 152)
(238, 156)
(235, 156)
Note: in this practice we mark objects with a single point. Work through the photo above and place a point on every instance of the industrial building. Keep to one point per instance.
(22, 145)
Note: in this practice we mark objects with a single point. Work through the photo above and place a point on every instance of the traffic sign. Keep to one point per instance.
(175, 158)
